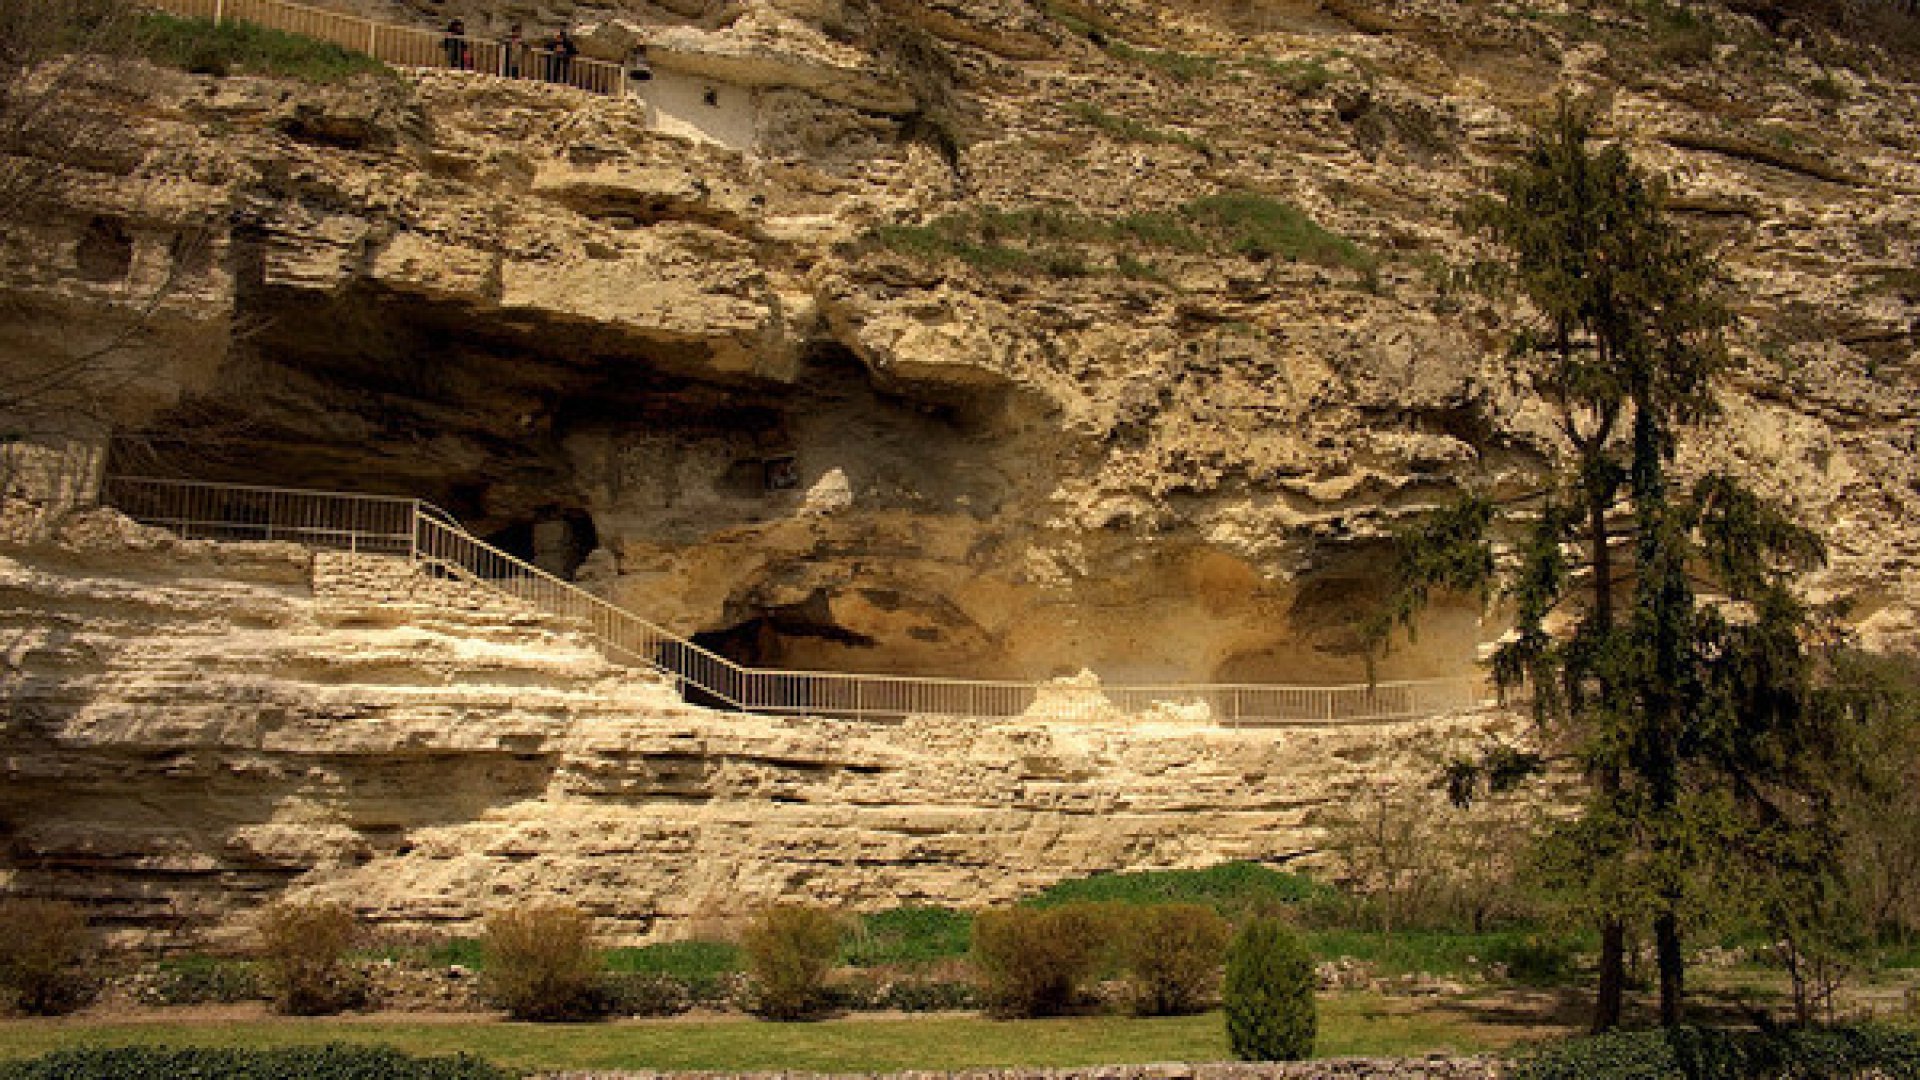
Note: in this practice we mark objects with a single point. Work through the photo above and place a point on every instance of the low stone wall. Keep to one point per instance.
(1421, 1068)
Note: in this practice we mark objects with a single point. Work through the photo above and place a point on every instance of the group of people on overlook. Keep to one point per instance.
(551, 60)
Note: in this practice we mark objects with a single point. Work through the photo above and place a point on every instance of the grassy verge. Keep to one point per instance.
(1350, 1024)
(199, 46)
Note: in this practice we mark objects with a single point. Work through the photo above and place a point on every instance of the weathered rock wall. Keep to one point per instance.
(636, 354)
(192, 729)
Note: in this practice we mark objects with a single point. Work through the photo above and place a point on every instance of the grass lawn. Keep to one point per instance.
(1349, 1024)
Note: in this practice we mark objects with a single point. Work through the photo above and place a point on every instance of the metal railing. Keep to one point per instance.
(407, 46)
(435, 541)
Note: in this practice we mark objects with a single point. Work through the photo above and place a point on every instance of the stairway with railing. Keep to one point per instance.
(435, 543)
(408, 46)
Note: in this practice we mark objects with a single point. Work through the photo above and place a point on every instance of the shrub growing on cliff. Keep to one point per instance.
(1173, 954)
(204, 48)
(541, 963)
(305, 946)
(789, 951)
(1269, 994)
(1032, 961)
(43, 946)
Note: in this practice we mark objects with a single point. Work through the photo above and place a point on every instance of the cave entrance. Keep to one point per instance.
(795, 637)
(557, 541)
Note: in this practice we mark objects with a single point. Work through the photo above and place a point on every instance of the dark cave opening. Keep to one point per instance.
(556, 541)
(776, 638)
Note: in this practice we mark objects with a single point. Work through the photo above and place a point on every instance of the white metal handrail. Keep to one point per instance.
(408, 46)
(435, 541)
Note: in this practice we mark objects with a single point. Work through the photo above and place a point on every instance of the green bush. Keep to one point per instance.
(305, 946)
(541, 963)
(1172, 954)
(789, 952)
(1535, 959)
(1269, 994)
(332, 1062)
(44, 945)
(1713, 1054)
(204, 980)
(1033, 961)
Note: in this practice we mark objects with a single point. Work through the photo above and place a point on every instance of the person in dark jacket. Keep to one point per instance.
(459, 56)
(560, 58)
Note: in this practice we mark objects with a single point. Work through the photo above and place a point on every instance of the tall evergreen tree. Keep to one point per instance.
(1680, 712)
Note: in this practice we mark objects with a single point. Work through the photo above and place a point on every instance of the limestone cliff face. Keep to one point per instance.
(195, 728)
(635, 334)
(909, 337)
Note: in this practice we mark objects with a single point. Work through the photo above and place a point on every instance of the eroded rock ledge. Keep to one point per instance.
(194, 729)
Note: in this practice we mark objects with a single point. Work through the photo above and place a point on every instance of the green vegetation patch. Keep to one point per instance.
(332, 1062)
(1349, 1024)
(1268, 228)
(909, 935)
(1528, 955)
(684, 959)
(1303, 78)
(1715, 1054)
(200, 980)
(1056, 240)
(1127, 129)
(1185, 67)
(1233, 889)
(204, 48)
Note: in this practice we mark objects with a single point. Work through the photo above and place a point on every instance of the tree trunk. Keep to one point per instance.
(1673, 968)
(1609, 999)
(1607, 1004)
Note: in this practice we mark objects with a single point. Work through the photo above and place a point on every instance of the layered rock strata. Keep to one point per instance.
(193, 729)
(958, 264)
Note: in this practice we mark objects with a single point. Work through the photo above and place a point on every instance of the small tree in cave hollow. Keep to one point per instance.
(1655, 629)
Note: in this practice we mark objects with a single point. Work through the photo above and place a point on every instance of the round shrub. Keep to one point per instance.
(1173, 954)
(1033, 961)
(541, 963)
(1269, 994)
(789, 952)
(44, 945)
(306, 951)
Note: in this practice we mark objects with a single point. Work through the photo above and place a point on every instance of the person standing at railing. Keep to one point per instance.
(459, 56)
(560, 53)
(513, 54)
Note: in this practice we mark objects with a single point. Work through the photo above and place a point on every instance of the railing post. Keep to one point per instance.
(413, 535)
(219, 9)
